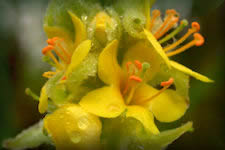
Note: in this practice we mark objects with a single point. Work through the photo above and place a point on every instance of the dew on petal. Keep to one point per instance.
(83, 123)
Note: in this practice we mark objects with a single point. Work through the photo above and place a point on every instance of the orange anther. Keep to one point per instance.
(64, 78)
(128, 65)
(138, 64)
(167, 83)
(156, 12)
(56, 39)
(135, 78)
(196, 26)
(47, 48)
(171, 11)
(199, 39)
(50, 42)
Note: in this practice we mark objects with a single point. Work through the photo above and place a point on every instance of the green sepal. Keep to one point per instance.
(133, 18)
(57, 12)
(161, 141)
(129, 134)
(181, 80)
(57, 91)
(84, 78)
(29, 138)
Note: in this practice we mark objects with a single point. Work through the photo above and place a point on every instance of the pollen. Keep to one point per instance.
(167, 83)
(138, 64)
(135, 78)
(47, 49)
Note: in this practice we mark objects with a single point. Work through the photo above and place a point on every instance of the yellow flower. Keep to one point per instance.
(70, 53)
(127, 90)
(156, 32)
(70, 127)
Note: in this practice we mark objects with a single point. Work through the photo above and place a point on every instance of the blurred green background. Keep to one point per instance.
(22, 38)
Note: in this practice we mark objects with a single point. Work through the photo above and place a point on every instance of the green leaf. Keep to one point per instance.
(29, 138)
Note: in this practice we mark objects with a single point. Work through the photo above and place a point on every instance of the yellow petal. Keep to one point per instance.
(43, 101)
(190, 72)
(167, 107)
(143, 53)
(109, 70)
(144, 116)
(105, 102)
(72, 128)
(78, 56)
(61, 33)
(157, 47)
(80, 29)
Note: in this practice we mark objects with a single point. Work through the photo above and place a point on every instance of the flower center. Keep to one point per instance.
(57, 51)
(135, 75)
(160, 30)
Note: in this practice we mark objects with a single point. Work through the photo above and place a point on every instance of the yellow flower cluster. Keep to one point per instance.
(126, 84)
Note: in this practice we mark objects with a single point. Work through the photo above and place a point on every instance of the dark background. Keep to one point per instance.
(22, 38)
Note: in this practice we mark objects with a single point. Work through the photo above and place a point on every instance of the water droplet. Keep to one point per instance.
(75, 137)
(83, 123)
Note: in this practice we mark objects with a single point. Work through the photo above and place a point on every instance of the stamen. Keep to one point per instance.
(133, 87)
(47, 50)
(165, 85)
(48, 74)
(195, 28)
(64, 78)
(155, 13)
(135, 78)
(138, 64)
(198, 41)
(182, 25)
(171, 24)
(171, 13)
(128, 65)
(54, 42)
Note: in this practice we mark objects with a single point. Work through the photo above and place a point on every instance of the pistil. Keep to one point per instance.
(182, 25)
